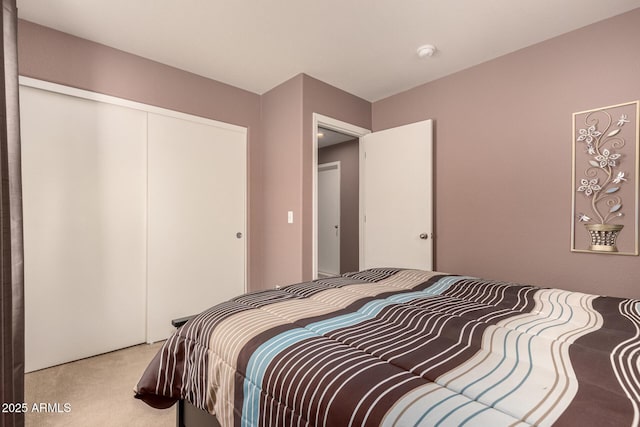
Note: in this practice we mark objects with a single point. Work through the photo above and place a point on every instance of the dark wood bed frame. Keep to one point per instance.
(190, 416)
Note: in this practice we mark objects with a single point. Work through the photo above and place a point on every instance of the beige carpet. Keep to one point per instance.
(99, 391)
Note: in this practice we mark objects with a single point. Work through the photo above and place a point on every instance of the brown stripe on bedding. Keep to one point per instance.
(439, 329)
(324, 380)
(501, 295)
(406, 278)
(452, 330)
(259, 339)
(283, 302)
(597, 381)
(443, 339)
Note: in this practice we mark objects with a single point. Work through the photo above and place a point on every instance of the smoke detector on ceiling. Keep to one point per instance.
(426, 50)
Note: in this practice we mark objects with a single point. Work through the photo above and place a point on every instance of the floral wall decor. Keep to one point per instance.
(605, 180)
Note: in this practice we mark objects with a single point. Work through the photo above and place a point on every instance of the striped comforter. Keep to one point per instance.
(398, 347)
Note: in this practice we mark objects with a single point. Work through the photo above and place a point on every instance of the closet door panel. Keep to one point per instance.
(197, 188)
(84, 189)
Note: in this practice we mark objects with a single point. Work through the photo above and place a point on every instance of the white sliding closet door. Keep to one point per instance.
(84, 190)
(197, 188)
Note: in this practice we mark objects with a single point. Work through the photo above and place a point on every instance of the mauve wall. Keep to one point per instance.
(287, 112)
(348, 154)
(282, 183)
(279, 156)
(330, 101)
(58, 57)
(503, 156)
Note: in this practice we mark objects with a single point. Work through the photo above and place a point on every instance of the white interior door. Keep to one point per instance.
(329, 219)
(84, 198)
(396, 194)
(197, 188)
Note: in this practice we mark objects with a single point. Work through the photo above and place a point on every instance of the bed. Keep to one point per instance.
(398, 347)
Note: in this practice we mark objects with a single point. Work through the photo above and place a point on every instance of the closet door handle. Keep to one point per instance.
(424, 236)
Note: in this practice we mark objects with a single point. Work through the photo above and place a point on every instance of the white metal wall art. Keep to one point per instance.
(605, 180)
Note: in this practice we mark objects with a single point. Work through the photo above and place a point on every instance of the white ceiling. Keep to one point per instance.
(327, 137)
(365, 47)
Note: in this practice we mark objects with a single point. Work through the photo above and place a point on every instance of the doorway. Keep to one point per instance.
(329, 218)
(385, 158)
(336, 249)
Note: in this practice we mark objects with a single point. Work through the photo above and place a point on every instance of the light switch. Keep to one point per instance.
(290, 217)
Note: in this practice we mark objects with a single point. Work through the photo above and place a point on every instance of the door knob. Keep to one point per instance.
(424, 236)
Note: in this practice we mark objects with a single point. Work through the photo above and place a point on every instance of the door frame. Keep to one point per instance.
(339, 126)
(335, 166)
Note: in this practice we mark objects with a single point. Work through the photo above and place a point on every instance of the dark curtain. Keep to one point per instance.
(11, 253)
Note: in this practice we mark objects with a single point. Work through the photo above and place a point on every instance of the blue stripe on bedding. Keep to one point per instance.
(262, 357)
(257, 366)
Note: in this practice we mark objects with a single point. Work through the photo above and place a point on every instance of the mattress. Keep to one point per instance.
(398, 347)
